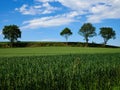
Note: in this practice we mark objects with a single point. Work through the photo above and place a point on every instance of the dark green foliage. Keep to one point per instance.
(11, 32)
(63, 72)
(107, 33)
(87, 31)
(66, 33)
(51, 44)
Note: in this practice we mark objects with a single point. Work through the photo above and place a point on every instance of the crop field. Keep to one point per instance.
(60, 68)
(39, 51)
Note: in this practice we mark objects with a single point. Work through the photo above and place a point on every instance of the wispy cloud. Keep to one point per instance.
(94, 11)
(45, 8)
(104, 11)
(50, 21)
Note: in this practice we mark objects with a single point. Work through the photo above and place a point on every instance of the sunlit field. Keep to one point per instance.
(60, 68)
(38, 51)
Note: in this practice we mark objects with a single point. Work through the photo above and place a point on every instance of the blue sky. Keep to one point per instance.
(43, 20)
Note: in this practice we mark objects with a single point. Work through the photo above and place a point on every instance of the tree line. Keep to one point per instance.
(87, 30)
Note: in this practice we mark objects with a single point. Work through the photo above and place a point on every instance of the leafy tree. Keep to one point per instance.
(87, 31)
(66, 33)
(11, 32)
(107, 33)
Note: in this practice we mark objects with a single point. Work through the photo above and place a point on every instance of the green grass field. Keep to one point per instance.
(38, 51)
(60, 68)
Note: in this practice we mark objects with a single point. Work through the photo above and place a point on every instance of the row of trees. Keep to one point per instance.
(88, 30)
(12, 33)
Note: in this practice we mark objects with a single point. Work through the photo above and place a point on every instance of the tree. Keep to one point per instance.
(66, 33)
(87, 31)
(11, 32)
(107, 33)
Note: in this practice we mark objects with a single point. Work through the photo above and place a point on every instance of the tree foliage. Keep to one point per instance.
(107, 33)
(11, 32)
(66, 33)
(87, 31)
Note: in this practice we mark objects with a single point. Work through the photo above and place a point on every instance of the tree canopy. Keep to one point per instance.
(87, 31)
(11, 32)
(107, 33)
(66, 32)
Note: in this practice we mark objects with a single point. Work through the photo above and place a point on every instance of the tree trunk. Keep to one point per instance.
(105, 42)
(11, 42)
(66, 40)
(87, 42)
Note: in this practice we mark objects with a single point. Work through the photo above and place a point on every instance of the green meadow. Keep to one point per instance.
(59, 68)
(38, 51)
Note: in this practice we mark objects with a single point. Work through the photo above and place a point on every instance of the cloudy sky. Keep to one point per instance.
(43, 20)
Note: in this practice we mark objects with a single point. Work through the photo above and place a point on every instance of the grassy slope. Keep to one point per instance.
(54, 51)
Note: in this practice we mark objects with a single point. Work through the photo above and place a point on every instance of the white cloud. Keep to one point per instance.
(101, 12)
(50, 21)
(26, 10)
(95, 11)
(45, 8)
(48, 8)
(75, 4)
